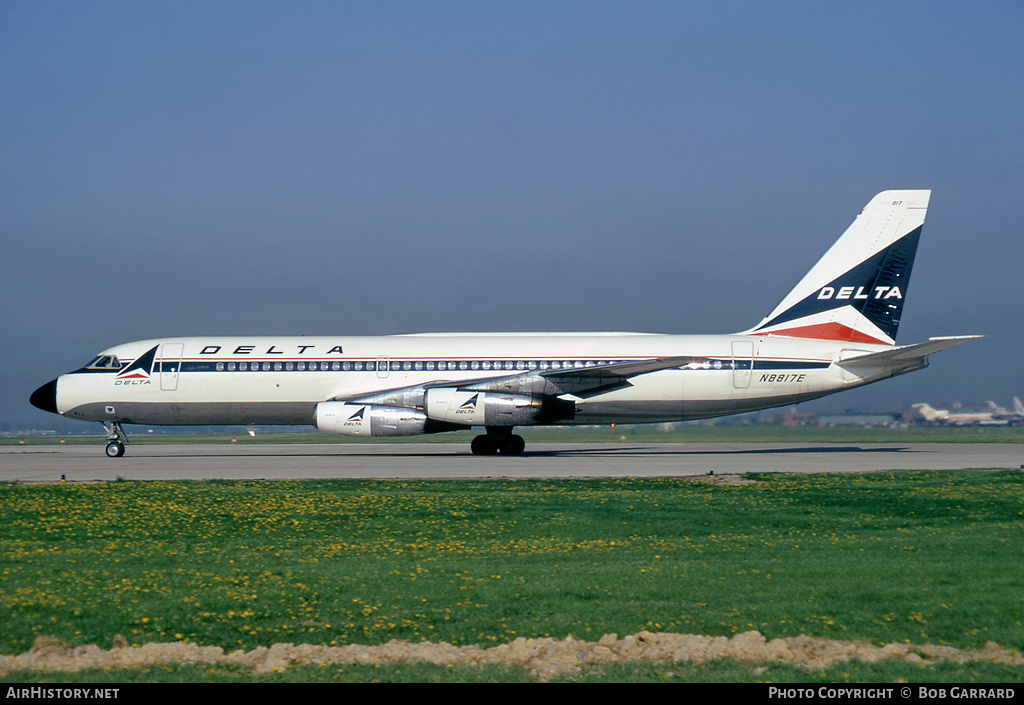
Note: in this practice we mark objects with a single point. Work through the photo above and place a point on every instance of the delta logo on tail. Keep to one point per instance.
(139, 371)
(861, 304)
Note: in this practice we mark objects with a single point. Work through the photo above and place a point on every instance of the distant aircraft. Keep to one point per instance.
(835, 330)
(957, 418)
(1015, 417)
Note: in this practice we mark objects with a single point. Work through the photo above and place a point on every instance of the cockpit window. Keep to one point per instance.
(104, 362)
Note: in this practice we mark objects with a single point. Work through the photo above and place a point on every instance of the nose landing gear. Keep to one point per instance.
(116, 440)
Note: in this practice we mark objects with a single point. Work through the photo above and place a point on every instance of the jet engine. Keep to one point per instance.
(478, 408)
(371, 420)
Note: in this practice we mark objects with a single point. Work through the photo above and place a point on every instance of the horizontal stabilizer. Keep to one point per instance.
(906, 355)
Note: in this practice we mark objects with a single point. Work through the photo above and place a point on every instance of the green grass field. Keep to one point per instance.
(917, 557)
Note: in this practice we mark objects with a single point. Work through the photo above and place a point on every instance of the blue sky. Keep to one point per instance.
(357, 168)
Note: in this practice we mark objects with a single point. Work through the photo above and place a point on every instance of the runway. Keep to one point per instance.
(88, 463)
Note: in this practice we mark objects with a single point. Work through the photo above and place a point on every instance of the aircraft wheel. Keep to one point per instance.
(115, 449)
(513, 445)
(482, 445)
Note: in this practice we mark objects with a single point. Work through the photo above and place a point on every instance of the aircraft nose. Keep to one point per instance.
(45, 397)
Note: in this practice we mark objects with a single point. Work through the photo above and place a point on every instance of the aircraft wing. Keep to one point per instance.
(904, 356)
(583, 382)
(587, 382)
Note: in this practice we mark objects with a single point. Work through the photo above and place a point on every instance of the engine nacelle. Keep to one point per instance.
(371, 419)
(474, 408)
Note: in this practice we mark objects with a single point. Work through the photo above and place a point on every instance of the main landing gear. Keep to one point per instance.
(498, 440)
(116, 440)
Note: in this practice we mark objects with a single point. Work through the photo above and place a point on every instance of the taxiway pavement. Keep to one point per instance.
(242, 461)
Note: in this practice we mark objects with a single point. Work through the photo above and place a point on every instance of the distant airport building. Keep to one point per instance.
(861, 420)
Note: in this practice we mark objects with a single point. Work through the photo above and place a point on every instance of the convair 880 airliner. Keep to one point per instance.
(835, 330)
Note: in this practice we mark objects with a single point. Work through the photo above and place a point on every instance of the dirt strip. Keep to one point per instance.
(543, 658)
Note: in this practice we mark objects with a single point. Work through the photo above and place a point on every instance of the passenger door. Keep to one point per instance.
(170, 365)
(742, 363)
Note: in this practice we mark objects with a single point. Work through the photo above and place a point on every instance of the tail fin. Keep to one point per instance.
(856, 290)
(928, 412)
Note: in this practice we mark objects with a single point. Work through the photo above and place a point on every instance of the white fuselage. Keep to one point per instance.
(280, 380)
(835, 330)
